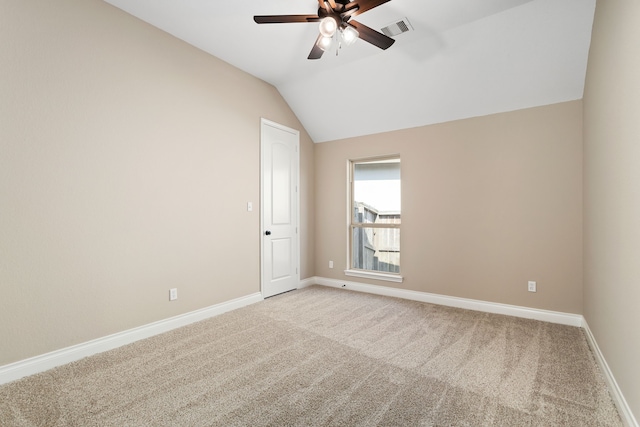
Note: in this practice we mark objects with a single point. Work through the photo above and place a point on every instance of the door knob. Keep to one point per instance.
(268, 233)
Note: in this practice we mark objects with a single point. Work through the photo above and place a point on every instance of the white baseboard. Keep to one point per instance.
(307, 282)
(616, 394)
(63, 356)
(470, 304)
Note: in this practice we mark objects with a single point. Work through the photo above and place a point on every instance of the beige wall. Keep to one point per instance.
(487, 204)
(127, 158)
(612, 191)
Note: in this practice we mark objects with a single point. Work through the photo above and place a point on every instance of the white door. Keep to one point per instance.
(279, 206)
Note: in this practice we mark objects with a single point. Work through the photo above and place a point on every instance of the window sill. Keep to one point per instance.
(377, 276)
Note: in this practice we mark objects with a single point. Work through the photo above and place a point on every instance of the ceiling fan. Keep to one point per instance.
(335, 17)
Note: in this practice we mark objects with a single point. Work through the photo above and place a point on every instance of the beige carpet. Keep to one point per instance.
(329, 357)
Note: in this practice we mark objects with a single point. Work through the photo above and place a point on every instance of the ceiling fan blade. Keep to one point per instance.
(316, 52)
(283, 19)
(362, 6)
(372, 36)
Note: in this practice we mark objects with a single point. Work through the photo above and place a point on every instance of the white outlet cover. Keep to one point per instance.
(532, 286)
(173, 294)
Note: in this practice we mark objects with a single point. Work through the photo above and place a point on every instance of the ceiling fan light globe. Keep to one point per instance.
(325, 43)
(328, 26)
(349, 35)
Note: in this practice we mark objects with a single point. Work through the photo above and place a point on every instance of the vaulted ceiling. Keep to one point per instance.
(462, 58)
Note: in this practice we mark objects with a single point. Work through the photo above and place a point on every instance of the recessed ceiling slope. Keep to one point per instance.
(464, 58)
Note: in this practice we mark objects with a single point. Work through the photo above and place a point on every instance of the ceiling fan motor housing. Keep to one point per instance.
(338, 13)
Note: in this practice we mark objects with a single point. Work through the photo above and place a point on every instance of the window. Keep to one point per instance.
(374, 224)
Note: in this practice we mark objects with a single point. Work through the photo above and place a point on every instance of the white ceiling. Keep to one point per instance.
(465, 58)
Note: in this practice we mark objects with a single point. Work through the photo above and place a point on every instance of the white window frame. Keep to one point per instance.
(350, 271)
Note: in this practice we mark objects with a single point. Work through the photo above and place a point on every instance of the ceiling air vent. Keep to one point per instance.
(396, 28)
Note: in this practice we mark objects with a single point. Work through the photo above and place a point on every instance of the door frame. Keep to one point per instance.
(266, 122)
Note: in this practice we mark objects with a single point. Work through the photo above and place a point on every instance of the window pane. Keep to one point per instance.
(376, 249)
(376, 191)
